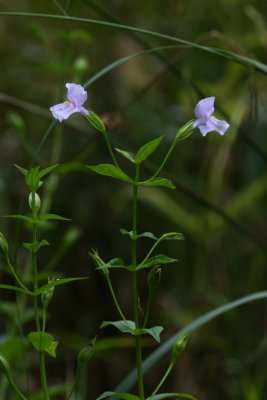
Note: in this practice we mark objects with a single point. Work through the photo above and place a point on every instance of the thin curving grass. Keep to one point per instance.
(259, 66)
(131, 379)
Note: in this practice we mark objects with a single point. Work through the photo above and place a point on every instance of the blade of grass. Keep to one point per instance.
(150, 361)
(216, 51)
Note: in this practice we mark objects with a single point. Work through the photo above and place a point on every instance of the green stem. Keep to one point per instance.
(110, 149)
(115, 298)
(165, 159)
(35, 298)
(15, 275)
(151, 250)
(148, 307)
(167, 373)
(135, 291)
(19, 393)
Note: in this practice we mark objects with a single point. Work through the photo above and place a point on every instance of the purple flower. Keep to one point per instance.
(205, 121)
(76, 98)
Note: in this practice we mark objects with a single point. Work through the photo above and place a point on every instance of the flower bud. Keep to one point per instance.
(3, 244)
(96, 121)
(153, 278)
(37, 201)
(179, 345)
(48, 294)
(86, 353)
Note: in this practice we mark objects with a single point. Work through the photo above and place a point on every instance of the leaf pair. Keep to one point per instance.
(143, 153)
(127, 326)
(34, 175)
(116, 173)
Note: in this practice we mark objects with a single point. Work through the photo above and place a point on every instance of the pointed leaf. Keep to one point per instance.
(114, 263)
(34, 247)
(126, 154)
(158, 182)
(43, 341)
(21, 217)
(123, 396)
(154, 332)
(172, 396)
(16, 289)
(58, 282)
(145, 151)
(51, 350)
(46, 217)
(140, 235)
(159, 259)
(110, 170)
(47, 170)
(124, 326)
(22, 170)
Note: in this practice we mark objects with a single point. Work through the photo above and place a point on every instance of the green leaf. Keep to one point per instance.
(43, 341)
(46, 217)
(22, 170)
(154, 332)
(140, 235)
(145, 151)
(114, 263)
(21, 217)
(123, 396)
(177, 396)
(16, 289)
(47, 170)
(159, 259)
(58, 282)
(51, 350)
(158, 182)
(124, 326)
(34, 247)
(110, 170)
(126, 154)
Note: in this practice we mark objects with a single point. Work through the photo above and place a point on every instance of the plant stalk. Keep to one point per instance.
(35, 299)
(135, 292)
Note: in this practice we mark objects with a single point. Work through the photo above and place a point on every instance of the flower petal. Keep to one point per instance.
(205, 108)
(219, 125)
(76, 94)
(212, 124)
(63, 110)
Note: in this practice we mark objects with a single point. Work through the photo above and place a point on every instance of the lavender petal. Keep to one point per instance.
(63, 110)
(205, 108)
(76, 94)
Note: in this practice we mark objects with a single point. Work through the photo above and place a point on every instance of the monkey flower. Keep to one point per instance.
(205, 120)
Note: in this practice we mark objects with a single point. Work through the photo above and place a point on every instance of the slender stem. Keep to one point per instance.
(17, 278)
(110, 149)
(135, 291)
(35, 298)
(151, 250)
(162, 380)
(115, 299)
(148, 307)
(19, 393)
(165, 159)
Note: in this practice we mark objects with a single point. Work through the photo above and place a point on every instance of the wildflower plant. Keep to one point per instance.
(152, 263)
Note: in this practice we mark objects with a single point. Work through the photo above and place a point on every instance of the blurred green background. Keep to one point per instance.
(219, 203)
